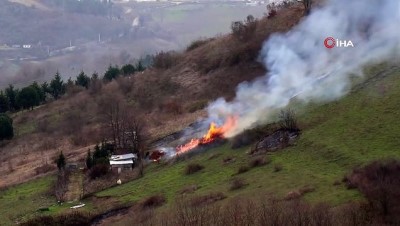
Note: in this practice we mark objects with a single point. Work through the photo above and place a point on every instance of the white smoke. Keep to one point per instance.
(301, 66)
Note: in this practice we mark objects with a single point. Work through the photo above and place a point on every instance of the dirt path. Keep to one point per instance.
(75, 186)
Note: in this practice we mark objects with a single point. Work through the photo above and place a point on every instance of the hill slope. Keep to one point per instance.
(335, 138)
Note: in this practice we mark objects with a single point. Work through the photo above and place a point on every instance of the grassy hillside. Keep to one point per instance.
(336, 137)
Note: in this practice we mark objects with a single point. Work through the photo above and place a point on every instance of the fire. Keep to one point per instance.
(213, 133)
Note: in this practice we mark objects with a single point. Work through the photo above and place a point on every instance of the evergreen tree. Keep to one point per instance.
(89, 160)
(82, 80)
(61, 161)
(28, 98)
(111, 73)
(95, 76)
(4, 104)
(57, 86)
(40, 92)
(45, 87)
(11, 94)
(6, 127)
(139, 66)
(128, 69)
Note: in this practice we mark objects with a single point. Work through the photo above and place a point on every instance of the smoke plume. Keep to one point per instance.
(300, 66)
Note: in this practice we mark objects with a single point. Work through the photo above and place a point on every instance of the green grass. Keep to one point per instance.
(337, 137)
(19, 202)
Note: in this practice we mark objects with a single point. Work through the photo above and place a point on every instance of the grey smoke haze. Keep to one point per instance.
(300, 66)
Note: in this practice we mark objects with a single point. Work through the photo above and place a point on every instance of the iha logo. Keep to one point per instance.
(331, 42)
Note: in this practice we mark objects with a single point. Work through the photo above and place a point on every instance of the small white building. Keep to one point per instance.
(122, 162)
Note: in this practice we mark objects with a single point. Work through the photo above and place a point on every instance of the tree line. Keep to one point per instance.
(13, 99)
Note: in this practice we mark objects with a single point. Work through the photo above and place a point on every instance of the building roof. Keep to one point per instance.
(121, 162)
(123, 157)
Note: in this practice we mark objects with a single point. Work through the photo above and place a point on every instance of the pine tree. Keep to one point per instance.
(89, 160)
(82, 80)
(39, 91)
(11, 94)
(61, 161)
(4, 104)
(139, 66)
(57, 87)
(28, 98)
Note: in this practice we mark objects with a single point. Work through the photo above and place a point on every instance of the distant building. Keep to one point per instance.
(122, 162)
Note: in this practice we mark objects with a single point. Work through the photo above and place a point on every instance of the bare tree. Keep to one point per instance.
(113, 109)
(136, 137)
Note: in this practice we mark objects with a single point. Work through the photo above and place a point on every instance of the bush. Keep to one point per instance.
(243, 31)
(165, 60)
(193, 168)
(243, 169)
(6, 127)
(153, 201)
(207, 199)
(189, 189)
(72, 219)
(259, 161)
(237, 183)
(252, 135)
(380, 183)
(98, 170)
(288, 121)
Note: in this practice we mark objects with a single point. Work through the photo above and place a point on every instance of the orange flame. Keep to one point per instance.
(213, 133)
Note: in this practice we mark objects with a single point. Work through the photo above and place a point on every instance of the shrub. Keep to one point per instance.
(237, 183)
(153, 201)
(243, 169)
(75, 218)
(98, 170)
(193, 168)
(288, 121)
(189, 189)
(228, 159)
(244, 31)
(165, 60)
(207, 199)
(259, 161)
(380, 183)
(272, 13)
(6, 127)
